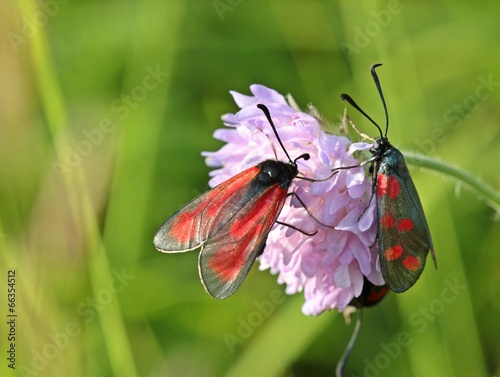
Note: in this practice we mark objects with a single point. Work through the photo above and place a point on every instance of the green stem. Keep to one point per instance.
(485, 191)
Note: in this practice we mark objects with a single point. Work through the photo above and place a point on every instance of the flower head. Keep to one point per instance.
(329, 266)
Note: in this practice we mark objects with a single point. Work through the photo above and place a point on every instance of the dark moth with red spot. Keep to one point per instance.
(404, 239)
(231, 222)
(371, 295)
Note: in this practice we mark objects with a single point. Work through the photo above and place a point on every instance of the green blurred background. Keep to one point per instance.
(105, 108)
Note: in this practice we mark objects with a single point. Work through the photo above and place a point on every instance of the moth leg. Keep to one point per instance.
(307, 210)
(297, 229)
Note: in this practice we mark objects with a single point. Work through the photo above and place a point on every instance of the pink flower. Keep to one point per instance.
(329, 266)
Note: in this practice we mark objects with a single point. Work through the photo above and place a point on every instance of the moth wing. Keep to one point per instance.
(198, 220)
(226, 258)
(371, 294)
(405, 241)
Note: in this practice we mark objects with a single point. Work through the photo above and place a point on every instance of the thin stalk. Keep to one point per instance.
(473, 183)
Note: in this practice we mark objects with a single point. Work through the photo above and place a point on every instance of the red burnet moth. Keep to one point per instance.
(231, 222)
(404, 239)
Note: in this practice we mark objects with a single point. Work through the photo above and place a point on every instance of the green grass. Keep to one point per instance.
(124, 95)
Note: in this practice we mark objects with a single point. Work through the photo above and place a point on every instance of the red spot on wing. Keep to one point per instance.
(387, 221)
(393, 252)
(264, 206)
(228, 261)
(405, 225)
(381, 184)
(388, 184)
(178, 230)
(394, 188)
(411, 263)
(376, 295)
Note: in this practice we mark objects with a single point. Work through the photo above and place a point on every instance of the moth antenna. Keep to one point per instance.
(379, 89)
(347, 98)
(266, 112)
(304, 156)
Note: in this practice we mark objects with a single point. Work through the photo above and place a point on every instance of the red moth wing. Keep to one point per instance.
(192, 225)
(226, 259)
(404, 238)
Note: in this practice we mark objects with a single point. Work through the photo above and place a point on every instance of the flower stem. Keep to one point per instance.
(475, 184)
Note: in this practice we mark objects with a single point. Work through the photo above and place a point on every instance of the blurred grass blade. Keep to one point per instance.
(51, 97)
(280, 342)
